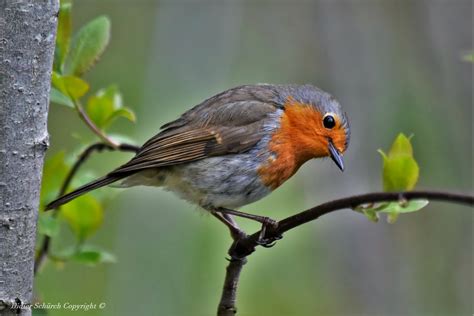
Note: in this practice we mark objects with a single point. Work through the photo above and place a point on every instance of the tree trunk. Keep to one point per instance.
(27, 39)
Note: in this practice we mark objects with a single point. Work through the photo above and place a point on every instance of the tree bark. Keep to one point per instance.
(27, 40)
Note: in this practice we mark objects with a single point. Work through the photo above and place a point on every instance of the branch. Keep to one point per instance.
(107, 140)
(241, 248)
(229, 292)
(98, 147)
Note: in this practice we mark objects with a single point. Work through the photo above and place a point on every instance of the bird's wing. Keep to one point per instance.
(225, 126)
(235, 107)
(193, 145)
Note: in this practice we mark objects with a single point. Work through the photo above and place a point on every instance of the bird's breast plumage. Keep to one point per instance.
(293, 143)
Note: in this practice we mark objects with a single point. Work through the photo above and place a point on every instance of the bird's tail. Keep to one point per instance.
(84, 189)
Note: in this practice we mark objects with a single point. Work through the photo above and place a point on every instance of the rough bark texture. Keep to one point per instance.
(27, 37)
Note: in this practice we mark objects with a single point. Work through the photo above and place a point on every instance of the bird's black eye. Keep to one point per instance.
(329, 121)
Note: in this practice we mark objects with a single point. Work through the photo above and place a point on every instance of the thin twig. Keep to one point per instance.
(98, 147)
(242, 248)
(83, 115)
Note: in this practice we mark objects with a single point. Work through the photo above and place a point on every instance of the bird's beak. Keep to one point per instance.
(336, 156)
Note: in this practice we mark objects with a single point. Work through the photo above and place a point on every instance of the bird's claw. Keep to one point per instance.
(264, 241)
(268, 242)
(278, 237)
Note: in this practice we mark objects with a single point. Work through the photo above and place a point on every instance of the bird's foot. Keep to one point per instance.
(265, 241)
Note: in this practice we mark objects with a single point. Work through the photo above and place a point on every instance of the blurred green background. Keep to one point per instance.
(395, 66)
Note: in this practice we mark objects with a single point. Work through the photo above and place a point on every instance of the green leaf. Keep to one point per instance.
(400, 169)
(92, 256)
(63, 36)
(404, 207)
(88, 45)
(400, 174)
(71, 86)
(123, 112)
(76, 87)
(99, 108)
(394, 209)
(84, 215)
(48, 225)
(54, 171)
(112, 93)
(106, 105)
(57, 83)
(56, 96)
(469, 57)
(401, 146)
(371, 215)
(86, 254)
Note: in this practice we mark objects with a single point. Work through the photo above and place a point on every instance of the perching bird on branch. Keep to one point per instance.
(235, 148)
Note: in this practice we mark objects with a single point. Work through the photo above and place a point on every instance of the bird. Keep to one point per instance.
(236, 148)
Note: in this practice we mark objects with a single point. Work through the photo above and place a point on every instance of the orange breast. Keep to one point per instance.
(296, 141)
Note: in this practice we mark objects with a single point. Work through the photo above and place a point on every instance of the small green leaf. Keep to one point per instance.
(72, 86)
(371, 215)
(92, 256)
(469, 57)
(123, 112)
(48, 225)
(86, 254)
(106, 105)
(54, 171)
(400, 169)
(112, 92)
(84, 215)
(99, 109)
(76, 87)
(405, 207)
(394, 209)
(401, 146)
(400, 174)
(57, 97)
(63, 36)
(88, 45)
(57, 82)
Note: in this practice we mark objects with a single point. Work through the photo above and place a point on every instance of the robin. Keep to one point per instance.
(235, 148)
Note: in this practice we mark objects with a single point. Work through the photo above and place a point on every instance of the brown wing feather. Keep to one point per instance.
(162, 153)
(193, 145)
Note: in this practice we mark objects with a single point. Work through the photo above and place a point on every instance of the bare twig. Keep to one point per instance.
(98, 147)
(83, 115)
(243, 247)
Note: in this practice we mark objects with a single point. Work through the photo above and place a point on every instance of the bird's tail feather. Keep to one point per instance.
(82, 190)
